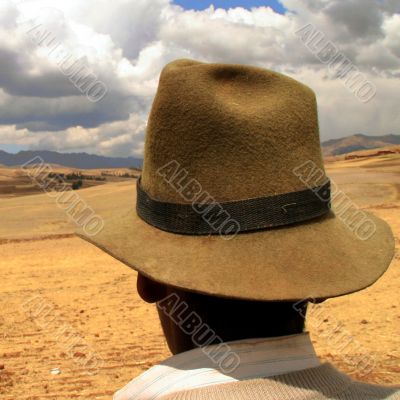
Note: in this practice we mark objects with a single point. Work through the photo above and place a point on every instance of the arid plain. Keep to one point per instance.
(73, 327)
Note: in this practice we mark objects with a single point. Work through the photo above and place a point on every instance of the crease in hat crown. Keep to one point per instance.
(240, 131)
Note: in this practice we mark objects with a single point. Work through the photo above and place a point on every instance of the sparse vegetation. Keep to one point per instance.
(138, 170)
(73, 176)
(119, 174)
(77, 184)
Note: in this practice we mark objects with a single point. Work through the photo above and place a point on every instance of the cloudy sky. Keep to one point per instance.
(122, 45)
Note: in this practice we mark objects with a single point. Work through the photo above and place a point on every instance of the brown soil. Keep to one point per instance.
(67, 305)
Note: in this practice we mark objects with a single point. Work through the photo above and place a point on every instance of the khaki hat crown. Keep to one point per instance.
(240, 131)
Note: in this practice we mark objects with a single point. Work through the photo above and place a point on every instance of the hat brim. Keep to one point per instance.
(319, 259)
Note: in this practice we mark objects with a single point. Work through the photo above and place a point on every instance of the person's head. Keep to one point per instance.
(233, 200)
(229, 319)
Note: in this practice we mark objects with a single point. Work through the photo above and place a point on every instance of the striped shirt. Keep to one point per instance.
(258, 358)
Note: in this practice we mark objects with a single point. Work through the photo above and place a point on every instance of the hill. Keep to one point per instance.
(357, 142)
(73, 160)
(330, 148)
(388, 151)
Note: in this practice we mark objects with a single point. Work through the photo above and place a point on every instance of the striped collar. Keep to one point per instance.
(259, 358)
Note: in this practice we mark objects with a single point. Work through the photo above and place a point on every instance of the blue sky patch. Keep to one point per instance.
(11, 148)
(203, 4)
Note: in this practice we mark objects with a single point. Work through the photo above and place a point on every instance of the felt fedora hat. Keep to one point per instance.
(233, 200)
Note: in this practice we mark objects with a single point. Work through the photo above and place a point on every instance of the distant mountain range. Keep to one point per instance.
(332, 147)
(357, 142)
(73, 160)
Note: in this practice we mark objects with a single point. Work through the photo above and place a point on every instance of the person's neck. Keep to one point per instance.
(182, 343)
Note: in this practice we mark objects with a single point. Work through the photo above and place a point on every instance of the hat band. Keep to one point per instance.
(234, 216)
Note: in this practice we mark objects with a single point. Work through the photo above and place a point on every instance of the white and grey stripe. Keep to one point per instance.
(260, 358)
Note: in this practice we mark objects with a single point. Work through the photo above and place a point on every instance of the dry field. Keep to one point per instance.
(15, 182)
(67, 305)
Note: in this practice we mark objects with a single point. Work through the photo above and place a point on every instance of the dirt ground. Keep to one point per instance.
(73, 327)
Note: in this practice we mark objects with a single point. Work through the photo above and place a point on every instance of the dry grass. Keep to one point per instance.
(94, 296)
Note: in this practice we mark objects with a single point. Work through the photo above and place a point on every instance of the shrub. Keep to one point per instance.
(77, 184)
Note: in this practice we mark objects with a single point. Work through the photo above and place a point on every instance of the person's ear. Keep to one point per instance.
(149, 290)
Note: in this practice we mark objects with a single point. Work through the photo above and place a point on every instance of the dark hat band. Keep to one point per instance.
(234, 216)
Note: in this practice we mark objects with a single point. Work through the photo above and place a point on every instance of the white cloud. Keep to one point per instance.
(125, 44)
(123, 138)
